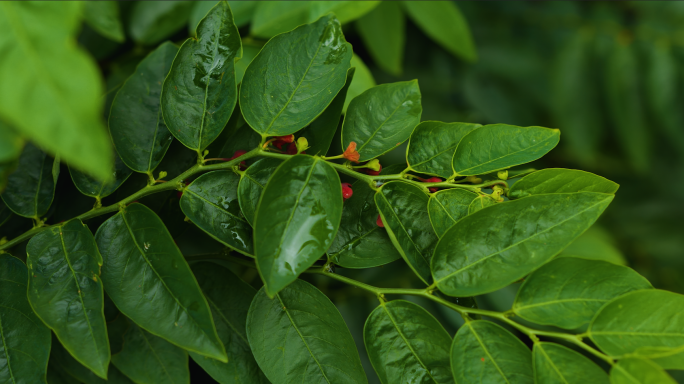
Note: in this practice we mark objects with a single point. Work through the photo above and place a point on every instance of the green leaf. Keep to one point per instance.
(252, 183)
(480, 203)
(443, 22)
(638, 371)
(499, 146)
(55, 101)
(558, 180)
(595, 244)
(321, 131)
(274, 17)
(296, 219)
(363, 81)
(200, 92)
(31, 187)
(300, 334)
(383, 33)
(103, 17)
(249, 52)
(522, 234)
(150, 282)
(211, 203)
(71, 369)
(25, 339)
(482, 349)
(65, 291)
(5, 213)
(345, 11)
(295, 77)
(360, 242)
(154, 21)
(242, 12)
(432, 146)
(406, 344)
(229, 299)
(148, 359)
(98, 189)
(554, 363)
(404, 211)
(568, 291)
(237, 135)
(135, 121)
(448, 206)
(11, 143)
(57, 375)
(645, 323)
(382, 118)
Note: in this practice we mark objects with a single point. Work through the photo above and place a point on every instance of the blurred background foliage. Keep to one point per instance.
(609, 75)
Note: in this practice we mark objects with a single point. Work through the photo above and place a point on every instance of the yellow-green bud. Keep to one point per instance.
(503, 175)
(162, 174)
(473, 179)
(373, 164)
(302, 144)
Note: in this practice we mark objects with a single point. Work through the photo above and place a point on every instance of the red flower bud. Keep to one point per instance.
(237, 154)
(433, 180)
(279, 144)
(347, 191)
(379, 222)
(372, 172)
(351, 154)
(292, 149)
(288, 139)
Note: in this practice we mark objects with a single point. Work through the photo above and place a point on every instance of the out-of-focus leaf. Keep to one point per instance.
(554, 363)
(638, 371)
(11, 143)
(249, 52)
(448, 206)
(363, 81)
(595, 244)
(103, 16)
(345, 11)
(242, 12)
(433, 144)
(274, 17)
(154, 21)
(383, 33)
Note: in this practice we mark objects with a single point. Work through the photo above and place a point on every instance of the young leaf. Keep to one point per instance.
(300, 334)
(499, 146)
(295, 77)
(25, 339)
(71, 369)
(31, 187)
(154, 21)
(523, 234)
(557, 180)
(646, 323)
(480, 203)
(252, 183)
(432, 146)
(200, 92)
(92, 187)
(360, 242)
(65, 291)
(383, 33)
(406, 344)
(443, 22)
(554, 363)
(211, 203)
(55, 100)
(638, 371)
(448, 206)
(363, 81)
(229, 299)
(135, 121)
(568, 291)
(148, 359)
(150, 282)
(321, 131)
(403, 208)
(103, 17)
(382, 118)
(482, 349)
(296, 220)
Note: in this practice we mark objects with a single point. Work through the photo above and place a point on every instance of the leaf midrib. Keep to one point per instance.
(486, 351)
(206, 87)
(375, 132)
(555, 368)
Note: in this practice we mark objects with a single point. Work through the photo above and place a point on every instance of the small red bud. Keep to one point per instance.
(179, 194)
(379, 222)
(279, 144)
(237, 154)
(287, 139)
(347, 191)
(372, 172)
(433, 180)
(292, 149)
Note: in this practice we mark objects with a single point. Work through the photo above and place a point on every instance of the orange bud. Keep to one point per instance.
(351, 154)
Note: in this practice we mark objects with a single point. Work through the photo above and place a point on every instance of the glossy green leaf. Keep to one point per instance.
(150, 282)
(638, 371)
(448, 206)
(646, 323)
(300, 334)
(242, 12)
(98, 189)
(200, 92)
(237, 135)
(31, 187)
(229, 299)
(480, 203)
(595, 244)
(482, 349)
(211, 203)
(295, 77)
(252, 184)
(383, 33)
(521, 234)
(443, 22)
(554, 363)
(55, 99)
(432, 146)
(558, 180)
(11, 143)
(499, 146)
(70, 369)
(103, 17)
(568, 291)
(360, 242)
(65, 291)
(363, 81)
(404, 211)
(321, 131)
(406, 344)
(148, 359)
(154, 21)
(25, 339)
(296, 219)
(273, 17)
(382, 118)
(135, 121)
